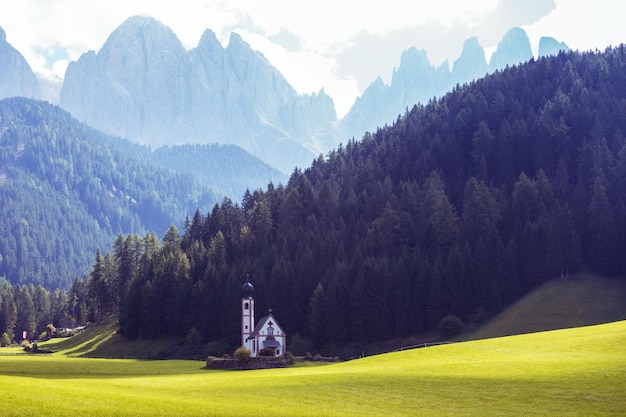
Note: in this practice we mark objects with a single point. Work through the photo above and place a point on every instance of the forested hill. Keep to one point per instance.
(226, 167)
(66, 189)
(460, 207)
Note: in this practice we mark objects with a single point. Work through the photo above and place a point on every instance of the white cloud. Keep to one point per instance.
(584, 25)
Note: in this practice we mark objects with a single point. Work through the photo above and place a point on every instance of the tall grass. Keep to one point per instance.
(569, 372)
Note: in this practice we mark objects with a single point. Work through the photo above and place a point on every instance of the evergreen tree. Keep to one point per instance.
(8, 310)
(97, 289)
(601, 228)
(26, 318)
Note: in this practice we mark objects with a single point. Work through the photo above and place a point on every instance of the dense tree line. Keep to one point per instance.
(458, 208)
(40, 312)
(66, 189)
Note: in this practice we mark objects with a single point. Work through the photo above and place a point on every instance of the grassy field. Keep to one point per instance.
(579, 371)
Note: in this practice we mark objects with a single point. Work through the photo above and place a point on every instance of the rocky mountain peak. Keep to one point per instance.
(471, 64)
(550, 46)
(140, 38)
(513, 49)
(138, 76)
(17, 79)
(412, 61)
(208, 42)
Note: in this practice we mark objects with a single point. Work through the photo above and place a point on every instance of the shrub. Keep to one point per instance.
(51, 330)
(243, 354)
(5, 340)
(450, 326)
(289, 358)
(266, 352)
(26, 345)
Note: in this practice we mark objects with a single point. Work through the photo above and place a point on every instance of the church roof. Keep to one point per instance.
(261, 323)
(270, 344)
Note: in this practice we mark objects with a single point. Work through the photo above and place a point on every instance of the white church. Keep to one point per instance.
(267, 334)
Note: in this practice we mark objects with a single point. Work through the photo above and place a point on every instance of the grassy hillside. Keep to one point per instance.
(103, 341)
(559, 373)
(578, 300)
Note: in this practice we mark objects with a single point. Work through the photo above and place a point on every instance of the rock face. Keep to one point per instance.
(137, 86)
(550, 46)
(416, 80)
(16, 76)
(471, 64)
(514, 48)
(143, 85)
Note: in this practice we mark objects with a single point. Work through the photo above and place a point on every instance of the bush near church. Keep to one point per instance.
(450, 326)
(243, 354)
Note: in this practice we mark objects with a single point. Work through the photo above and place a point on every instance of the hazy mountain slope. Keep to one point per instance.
(16, 76)
(66, 189)
(228, 168)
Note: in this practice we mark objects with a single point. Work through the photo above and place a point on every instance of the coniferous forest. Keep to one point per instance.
(459, 207)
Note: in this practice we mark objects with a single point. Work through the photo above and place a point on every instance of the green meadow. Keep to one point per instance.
(580, 371)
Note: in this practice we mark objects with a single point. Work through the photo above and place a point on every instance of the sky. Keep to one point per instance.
(340, 46)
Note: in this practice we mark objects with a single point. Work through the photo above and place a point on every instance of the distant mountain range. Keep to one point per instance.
(416, 80)
(143, 85)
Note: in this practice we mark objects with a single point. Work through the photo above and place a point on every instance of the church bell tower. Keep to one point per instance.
(247, 315)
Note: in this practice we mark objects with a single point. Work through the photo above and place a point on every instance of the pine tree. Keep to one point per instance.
(317, 308)
(601, 226)
(97, 289)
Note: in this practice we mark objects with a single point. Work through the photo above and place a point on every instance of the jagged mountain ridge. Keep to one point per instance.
(416, 80)
(145, 86)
